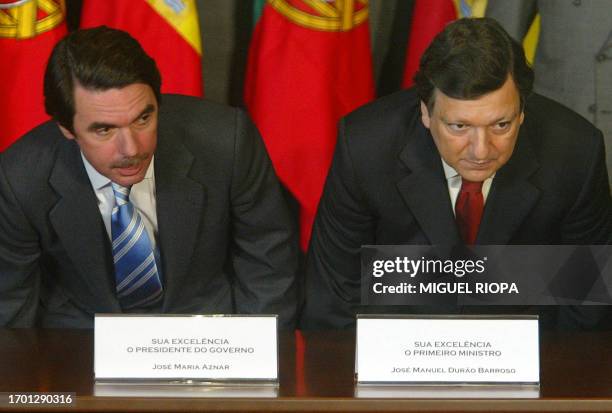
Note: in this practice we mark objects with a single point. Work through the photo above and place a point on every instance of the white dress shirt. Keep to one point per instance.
(453, 180)
(142, 196)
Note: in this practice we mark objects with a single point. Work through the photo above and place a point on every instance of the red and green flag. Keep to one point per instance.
(309, 64)
(28, 32)
(168, 31)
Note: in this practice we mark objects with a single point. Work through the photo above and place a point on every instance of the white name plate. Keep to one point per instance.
(173, 347)
(447, 350)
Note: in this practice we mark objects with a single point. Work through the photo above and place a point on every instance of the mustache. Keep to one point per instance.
(129, 162)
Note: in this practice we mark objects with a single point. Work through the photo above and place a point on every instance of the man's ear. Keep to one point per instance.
(67, 134)
(425, 115)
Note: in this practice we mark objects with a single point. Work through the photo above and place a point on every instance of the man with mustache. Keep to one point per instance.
(469, 156)
(133, 202)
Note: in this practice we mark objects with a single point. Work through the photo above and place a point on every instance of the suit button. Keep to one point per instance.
(577, 3)
(601, 57)
(593, 108)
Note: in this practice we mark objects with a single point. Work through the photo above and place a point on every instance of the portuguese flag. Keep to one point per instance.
(28, 32)
(168, 31)
(309, 64)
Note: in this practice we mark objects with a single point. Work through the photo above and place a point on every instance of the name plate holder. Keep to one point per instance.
(225, 350)
(447, 350)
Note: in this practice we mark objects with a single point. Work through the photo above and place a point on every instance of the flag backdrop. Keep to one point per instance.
(28, 32)
(309, 64)
(429, 17)
(168, 30)
(530, 41)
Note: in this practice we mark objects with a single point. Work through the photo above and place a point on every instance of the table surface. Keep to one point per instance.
(316, 374)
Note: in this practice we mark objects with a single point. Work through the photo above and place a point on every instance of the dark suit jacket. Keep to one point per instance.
(226, 241)
(387, 186)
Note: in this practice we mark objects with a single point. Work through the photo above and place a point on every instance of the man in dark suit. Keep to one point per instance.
(406, 166)
(133, 202)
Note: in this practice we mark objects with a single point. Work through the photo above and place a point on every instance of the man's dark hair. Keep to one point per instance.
(469, 58)
(98, 59)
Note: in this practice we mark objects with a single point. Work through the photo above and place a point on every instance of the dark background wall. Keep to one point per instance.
(226, 27)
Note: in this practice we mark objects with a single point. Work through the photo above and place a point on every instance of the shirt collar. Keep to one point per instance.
(99, 181)
(449, 171)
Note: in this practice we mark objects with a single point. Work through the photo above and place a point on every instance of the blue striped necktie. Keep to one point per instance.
(136, 273)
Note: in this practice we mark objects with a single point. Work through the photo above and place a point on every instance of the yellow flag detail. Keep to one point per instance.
(530, 42)
(341, 15)
(19, 19)
(476, 8)
(182, 15)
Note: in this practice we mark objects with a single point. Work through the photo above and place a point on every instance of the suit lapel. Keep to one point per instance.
(180, 208)
(512, 196)
(424, 188)
(75, 219)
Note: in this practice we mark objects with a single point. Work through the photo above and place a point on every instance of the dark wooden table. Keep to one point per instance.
(316, 374)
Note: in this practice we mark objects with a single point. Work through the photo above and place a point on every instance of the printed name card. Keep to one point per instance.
(178, 348)
(433, 349)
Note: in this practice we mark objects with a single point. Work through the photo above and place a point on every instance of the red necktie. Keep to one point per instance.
(468, 210)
